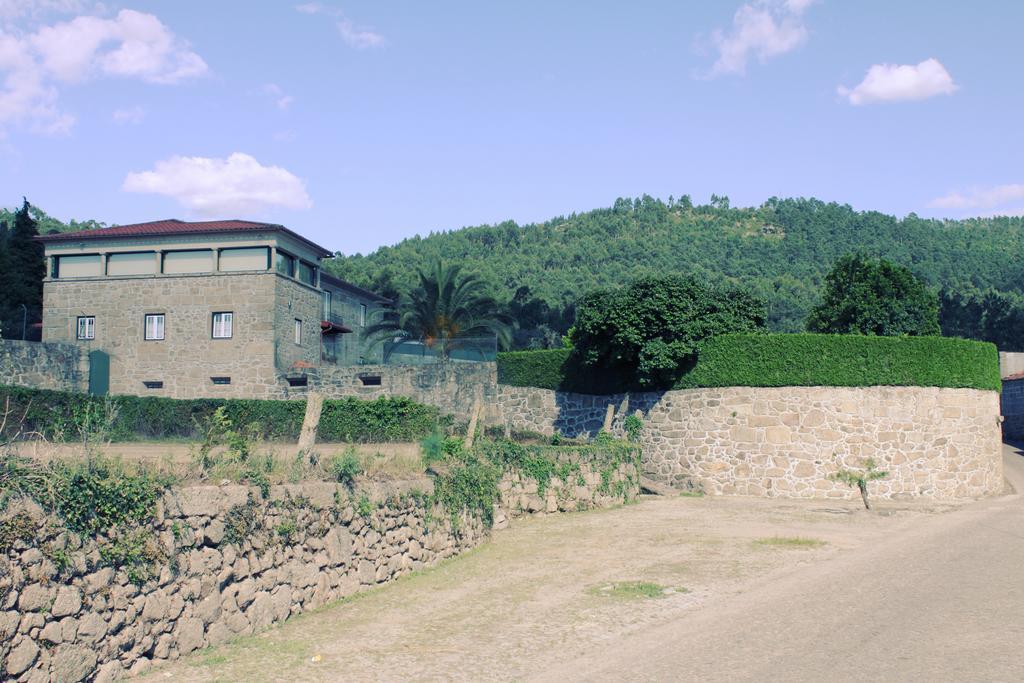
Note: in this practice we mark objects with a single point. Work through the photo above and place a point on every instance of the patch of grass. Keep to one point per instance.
(789, 542)
(691, 494)
(633, 590)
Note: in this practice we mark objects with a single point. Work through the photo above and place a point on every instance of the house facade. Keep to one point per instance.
(199, 309)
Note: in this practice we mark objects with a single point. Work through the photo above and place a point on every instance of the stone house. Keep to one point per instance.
(197, 309)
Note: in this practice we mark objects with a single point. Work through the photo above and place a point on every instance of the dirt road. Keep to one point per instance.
(743, 589)
(940, 600)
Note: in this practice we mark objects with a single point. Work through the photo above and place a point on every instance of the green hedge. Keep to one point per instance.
(61, 415)
(557, 369)
(776, 360)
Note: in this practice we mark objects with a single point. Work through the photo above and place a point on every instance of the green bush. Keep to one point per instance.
(778, 360)
(557, 369)
(345, 467)
(775, 360)
(68, 416)
(383, 419)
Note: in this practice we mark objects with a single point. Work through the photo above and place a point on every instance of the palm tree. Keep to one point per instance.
(444, 312)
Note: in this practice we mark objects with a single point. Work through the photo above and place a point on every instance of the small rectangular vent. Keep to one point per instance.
(298, 381)
(154, 384)
(221, 380)
(370, 380)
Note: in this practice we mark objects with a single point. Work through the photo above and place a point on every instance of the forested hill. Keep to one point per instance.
(781, 250)
(48, 224)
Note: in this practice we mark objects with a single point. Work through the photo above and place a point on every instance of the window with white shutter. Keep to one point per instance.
(154, 326)
(222, 325)
(86, 327)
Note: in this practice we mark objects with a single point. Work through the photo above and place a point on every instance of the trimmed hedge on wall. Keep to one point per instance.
(63, 415)
(776, 360)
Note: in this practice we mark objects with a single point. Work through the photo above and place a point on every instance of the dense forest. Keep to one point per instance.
(781, 251)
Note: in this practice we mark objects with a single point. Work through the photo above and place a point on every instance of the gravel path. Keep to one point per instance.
(757, 590)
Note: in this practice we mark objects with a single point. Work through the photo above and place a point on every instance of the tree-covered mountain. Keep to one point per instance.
(781, 250)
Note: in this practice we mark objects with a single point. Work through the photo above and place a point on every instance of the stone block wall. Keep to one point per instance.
(452, 387)
(188, 357)
(941, 444)
(296, 301)
(1011, 363)
(235, 563)
(52, 365)
(1013, 409)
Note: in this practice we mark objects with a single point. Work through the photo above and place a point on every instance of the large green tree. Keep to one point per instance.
(447, 310)
(989, 315)
(648, 331)
(874, 297)
(21, 277)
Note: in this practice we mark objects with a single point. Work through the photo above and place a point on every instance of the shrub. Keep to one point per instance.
(64, 415)
(560, 370)
(779, 360)
(776, 360)
(633, 425)
(383, 419)
(648, 331)
(345, 467)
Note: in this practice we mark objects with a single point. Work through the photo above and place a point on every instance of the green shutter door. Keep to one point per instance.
(99, 373)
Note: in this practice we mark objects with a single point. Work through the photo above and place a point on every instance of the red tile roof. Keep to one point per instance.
(173, 226)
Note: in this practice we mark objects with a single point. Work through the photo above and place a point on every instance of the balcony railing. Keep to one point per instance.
(334, 317)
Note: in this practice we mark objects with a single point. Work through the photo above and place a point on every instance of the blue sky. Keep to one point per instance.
(361, 123)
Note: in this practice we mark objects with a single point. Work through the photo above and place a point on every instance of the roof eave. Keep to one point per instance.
(89, 235)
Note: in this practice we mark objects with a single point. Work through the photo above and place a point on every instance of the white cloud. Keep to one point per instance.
(131, 45)
(358, 37)
(133, 115)
(981, 198)
(19, 9)
(762, 29)
(901, 82)
(217, 187)
(282, 100)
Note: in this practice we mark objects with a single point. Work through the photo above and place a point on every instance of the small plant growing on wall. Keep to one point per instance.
(861, 479)
(633, 426)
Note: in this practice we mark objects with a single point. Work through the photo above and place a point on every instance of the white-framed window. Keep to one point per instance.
(222, 325)
(86, 327)
(362, 315)
(298, 331)
(154, 329)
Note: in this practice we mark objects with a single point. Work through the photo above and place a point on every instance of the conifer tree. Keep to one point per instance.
(22, 280)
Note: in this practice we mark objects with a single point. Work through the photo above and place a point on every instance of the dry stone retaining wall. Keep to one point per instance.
(235, 564)
(941, 444)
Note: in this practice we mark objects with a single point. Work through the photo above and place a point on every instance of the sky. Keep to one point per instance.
(362, 123)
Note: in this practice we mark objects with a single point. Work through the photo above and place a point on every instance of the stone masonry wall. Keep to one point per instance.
(1013, 409)
(63, 367)
(296, 301)
(453, 387)
(188, 357)
(236, 564)
(939, 444)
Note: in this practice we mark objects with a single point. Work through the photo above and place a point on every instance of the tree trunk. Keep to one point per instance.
(863, 486)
